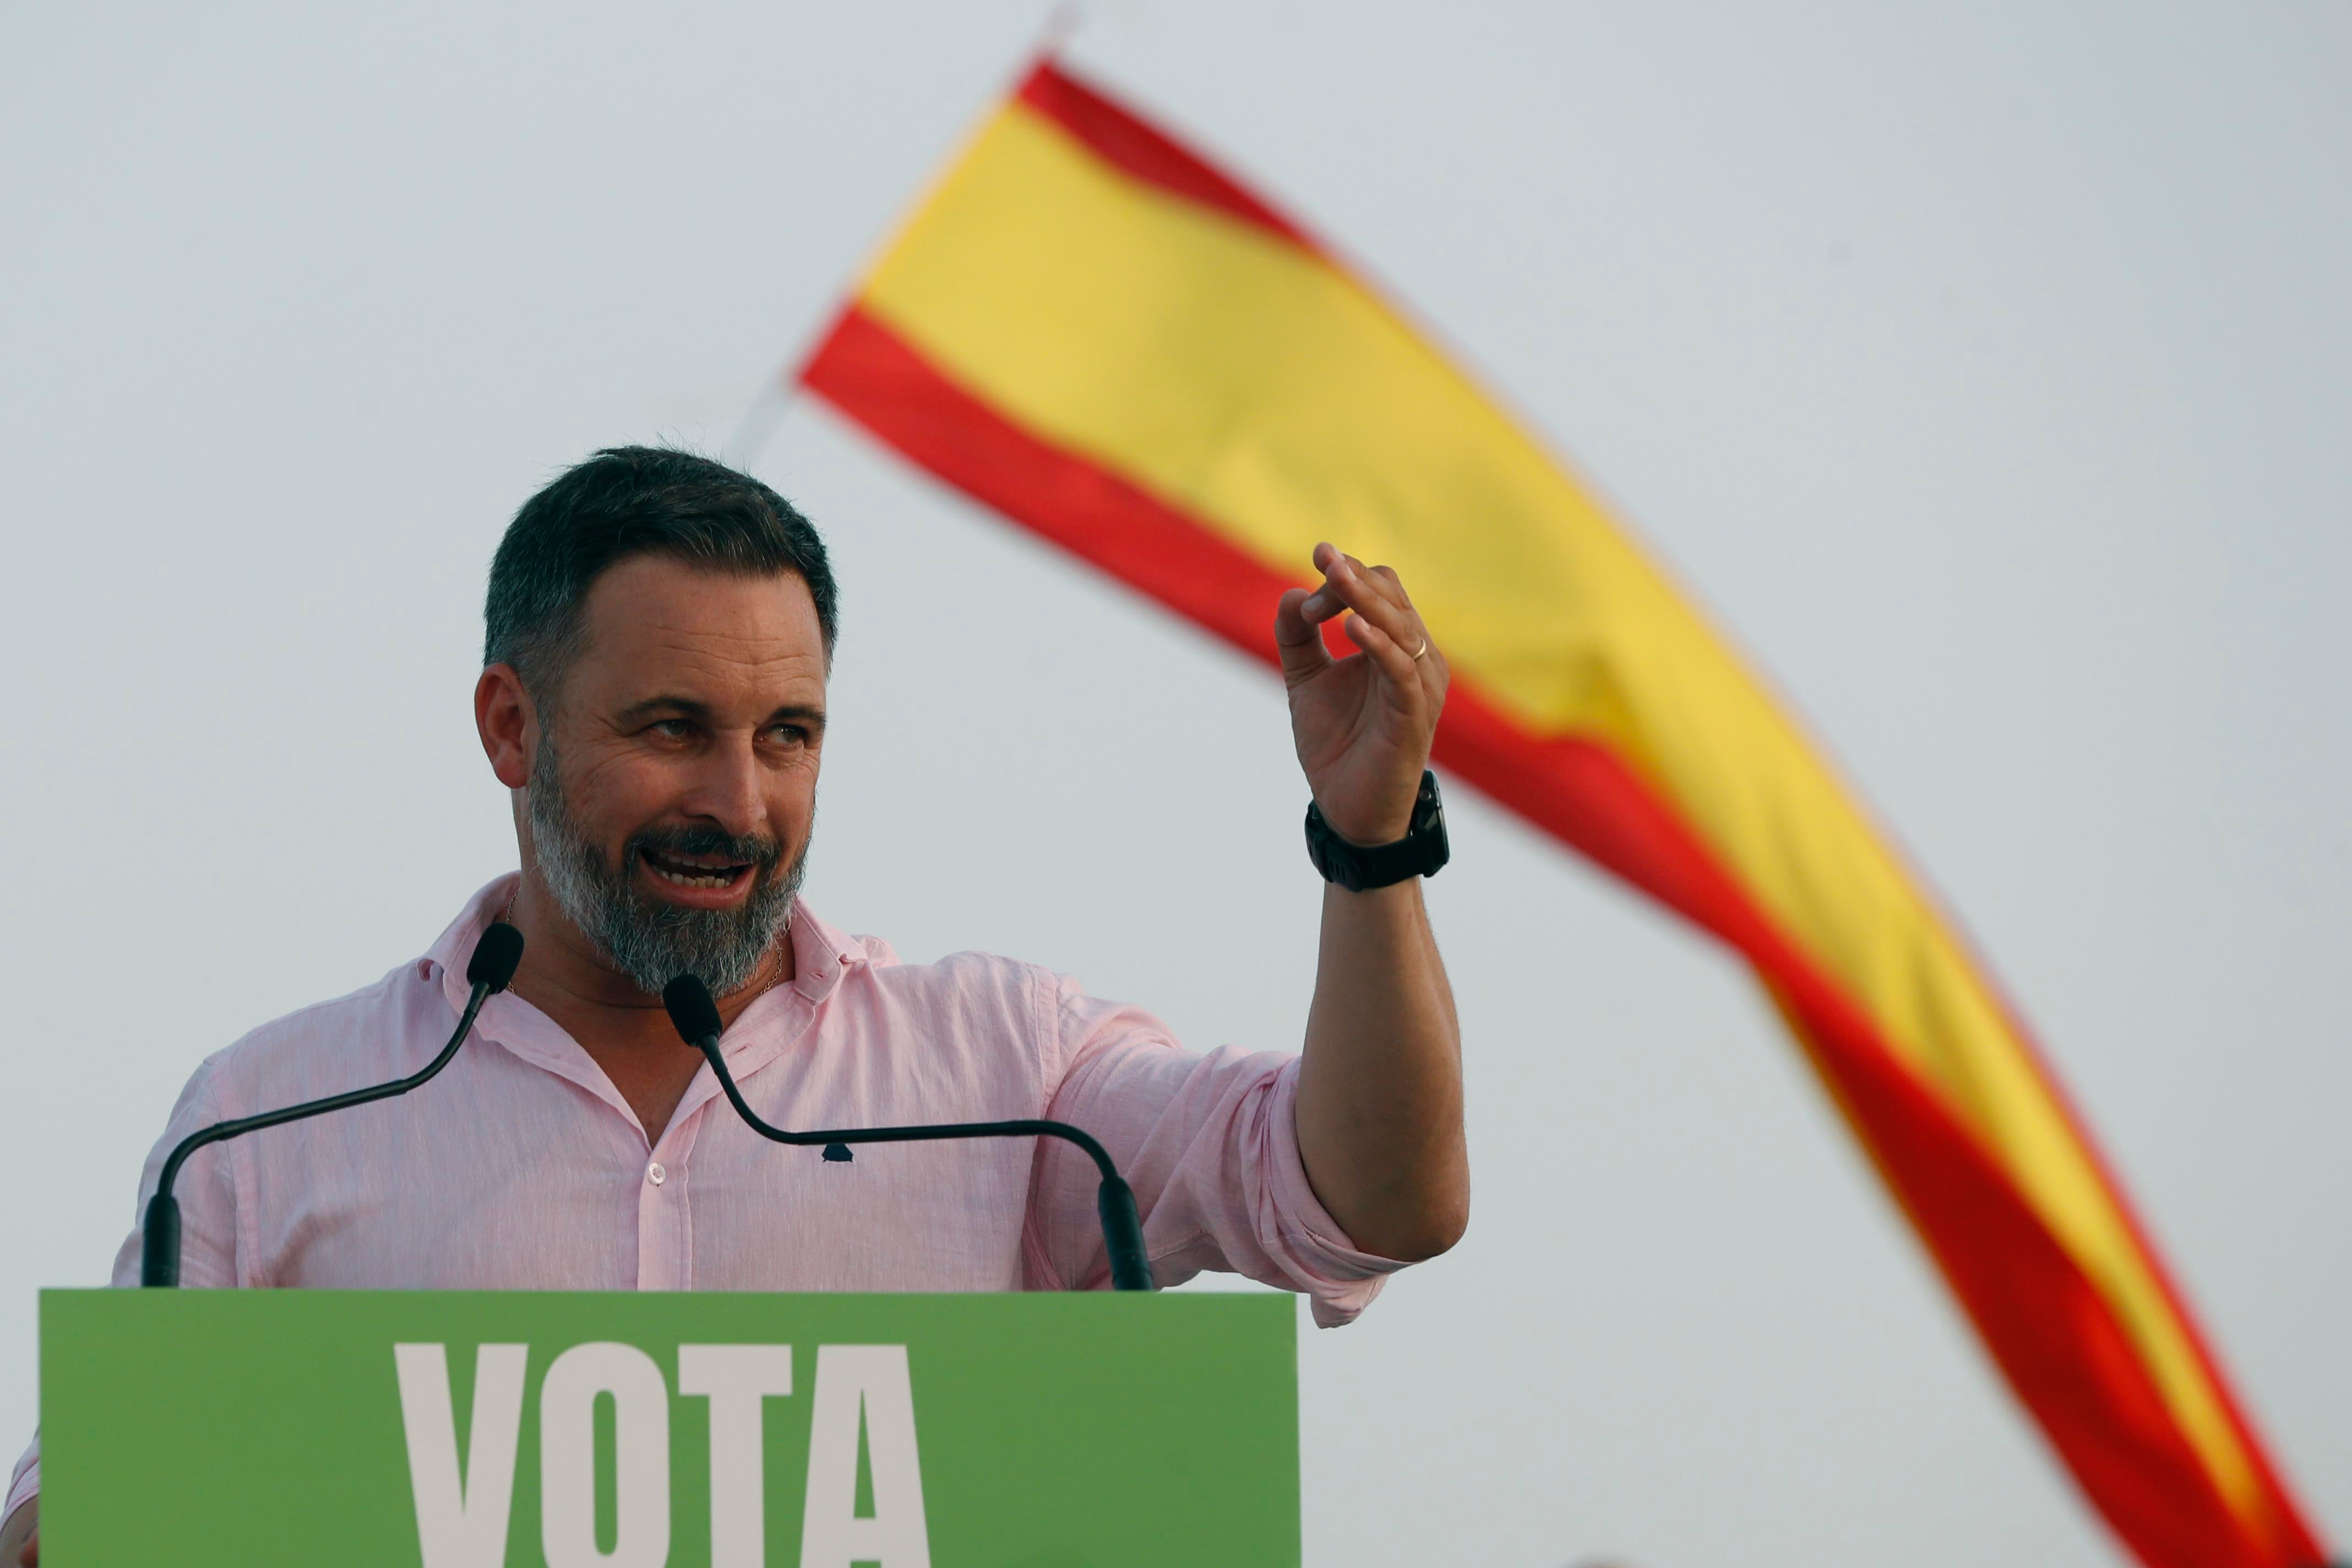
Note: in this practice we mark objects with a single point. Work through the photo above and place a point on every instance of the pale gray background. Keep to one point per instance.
(1985, 371)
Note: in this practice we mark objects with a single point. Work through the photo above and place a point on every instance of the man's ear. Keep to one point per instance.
(508, 722)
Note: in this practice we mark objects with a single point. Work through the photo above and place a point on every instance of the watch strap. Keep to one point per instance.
(1420, 853)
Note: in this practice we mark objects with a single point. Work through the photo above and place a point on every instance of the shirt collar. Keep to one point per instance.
(821, 954)
(454, 948)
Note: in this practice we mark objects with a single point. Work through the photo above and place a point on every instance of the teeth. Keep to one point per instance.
(685, 882)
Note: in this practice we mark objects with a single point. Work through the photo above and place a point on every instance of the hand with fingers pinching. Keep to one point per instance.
(1362, 724)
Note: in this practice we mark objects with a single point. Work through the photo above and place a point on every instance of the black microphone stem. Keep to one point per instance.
(160, 1259)
(1122, 1226)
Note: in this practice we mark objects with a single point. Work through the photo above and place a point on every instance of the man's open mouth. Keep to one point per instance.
(694, 871)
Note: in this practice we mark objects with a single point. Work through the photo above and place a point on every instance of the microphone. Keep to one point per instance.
(696, 1017)
(488, 971)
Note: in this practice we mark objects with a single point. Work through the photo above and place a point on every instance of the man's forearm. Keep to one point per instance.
(1379, 1091)
(17, 1532)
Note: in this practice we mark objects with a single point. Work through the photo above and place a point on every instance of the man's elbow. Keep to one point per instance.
(1430, 1233)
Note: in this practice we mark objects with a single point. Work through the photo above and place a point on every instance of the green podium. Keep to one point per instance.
(622, 1430)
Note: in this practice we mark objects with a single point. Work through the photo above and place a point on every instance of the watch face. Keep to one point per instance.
(1429, 825)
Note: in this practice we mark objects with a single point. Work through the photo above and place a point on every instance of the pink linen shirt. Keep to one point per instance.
(521, 1167)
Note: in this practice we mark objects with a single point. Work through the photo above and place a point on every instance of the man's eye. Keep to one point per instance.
(671, 729)
(790, 734)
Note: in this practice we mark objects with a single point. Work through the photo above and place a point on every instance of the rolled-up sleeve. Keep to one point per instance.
(1211, 1147)
(26, 1483)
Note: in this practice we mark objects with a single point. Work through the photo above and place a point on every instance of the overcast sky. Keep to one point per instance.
(1984, 368)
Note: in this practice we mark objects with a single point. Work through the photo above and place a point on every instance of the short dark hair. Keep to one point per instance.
(627, 501)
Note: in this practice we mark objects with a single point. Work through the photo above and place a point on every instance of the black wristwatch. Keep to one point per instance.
(1419, 853)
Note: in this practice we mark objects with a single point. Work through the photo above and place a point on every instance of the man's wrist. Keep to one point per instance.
(1421, 851)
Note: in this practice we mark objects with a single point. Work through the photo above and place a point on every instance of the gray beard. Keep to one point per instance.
(651, 942)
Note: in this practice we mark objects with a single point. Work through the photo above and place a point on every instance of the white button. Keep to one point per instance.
(655, 1174)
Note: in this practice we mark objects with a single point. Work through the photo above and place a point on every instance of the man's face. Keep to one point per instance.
(675, 788)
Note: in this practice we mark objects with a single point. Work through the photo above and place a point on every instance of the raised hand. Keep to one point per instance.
(1362, 724)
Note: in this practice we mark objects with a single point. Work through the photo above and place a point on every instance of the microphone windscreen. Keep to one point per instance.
(494, 957)
(691, 1011)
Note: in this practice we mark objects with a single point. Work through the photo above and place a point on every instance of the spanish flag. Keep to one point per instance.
(1104, 337)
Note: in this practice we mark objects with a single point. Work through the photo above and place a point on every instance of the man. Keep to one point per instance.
(659, 632)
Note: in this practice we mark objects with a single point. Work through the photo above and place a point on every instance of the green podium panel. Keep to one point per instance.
(452, 1429)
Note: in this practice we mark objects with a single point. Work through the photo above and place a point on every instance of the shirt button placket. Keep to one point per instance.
(665, 1210)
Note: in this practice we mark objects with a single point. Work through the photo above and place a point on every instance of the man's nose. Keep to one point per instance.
(729, 789)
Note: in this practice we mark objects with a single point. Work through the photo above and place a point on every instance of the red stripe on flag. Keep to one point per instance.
(1142, 153)
(2052, 1334)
